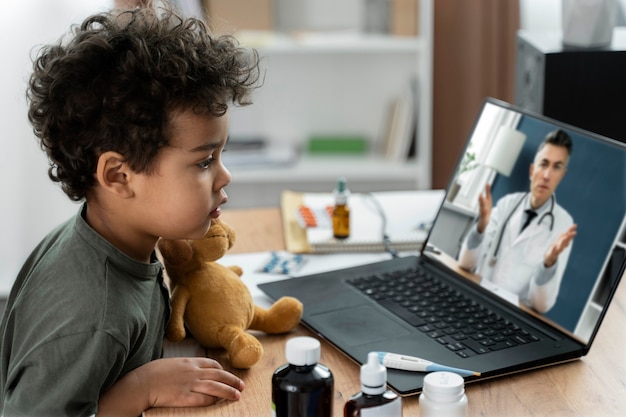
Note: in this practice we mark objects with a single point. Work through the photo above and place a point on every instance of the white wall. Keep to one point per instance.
(30, 204)
(540, 15)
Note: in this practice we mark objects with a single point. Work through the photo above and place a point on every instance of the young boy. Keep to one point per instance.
(132, 112)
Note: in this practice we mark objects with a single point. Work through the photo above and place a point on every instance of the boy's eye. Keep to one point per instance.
(206, 163)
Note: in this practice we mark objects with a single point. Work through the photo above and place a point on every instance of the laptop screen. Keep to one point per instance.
(565, 264)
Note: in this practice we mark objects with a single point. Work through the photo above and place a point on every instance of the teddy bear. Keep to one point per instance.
(214, 304)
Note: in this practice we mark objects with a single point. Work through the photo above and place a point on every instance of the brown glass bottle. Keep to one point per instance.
(341, 211)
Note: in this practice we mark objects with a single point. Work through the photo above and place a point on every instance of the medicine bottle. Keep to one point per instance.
(341, 211)
(374, 400)
(443, 395)
(302, 387)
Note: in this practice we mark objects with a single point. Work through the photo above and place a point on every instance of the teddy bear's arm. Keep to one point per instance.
(175, 330)
(236, 269)
(282, 316)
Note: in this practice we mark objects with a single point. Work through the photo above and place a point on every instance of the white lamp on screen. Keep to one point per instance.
(505, 150)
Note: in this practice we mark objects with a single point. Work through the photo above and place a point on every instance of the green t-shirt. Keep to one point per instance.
(81, 314)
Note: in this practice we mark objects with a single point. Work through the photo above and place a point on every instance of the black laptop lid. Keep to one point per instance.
(501, 148)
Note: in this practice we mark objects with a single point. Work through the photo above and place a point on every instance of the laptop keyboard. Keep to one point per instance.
(451, 318)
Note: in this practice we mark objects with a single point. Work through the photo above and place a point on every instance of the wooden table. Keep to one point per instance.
(593, 386)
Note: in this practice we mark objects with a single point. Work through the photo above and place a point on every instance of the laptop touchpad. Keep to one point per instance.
(356, 326)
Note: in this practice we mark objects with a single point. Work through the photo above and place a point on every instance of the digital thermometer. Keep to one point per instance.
(411, 363)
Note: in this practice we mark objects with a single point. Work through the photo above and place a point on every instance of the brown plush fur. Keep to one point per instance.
(213, 302)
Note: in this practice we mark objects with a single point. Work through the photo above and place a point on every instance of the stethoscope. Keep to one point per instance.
(506, 221)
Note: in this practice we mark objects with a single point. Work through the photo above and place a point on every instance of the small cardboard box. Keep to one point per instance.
(237, 15)
(404, 17)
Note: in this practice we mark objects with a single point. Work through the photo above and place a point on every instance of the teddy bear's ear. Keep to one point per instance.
(175, 252)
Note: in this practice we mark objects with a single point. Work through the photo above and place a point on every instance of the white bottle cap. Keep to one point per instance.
(302, 351)
(444, 386)
(373, 375)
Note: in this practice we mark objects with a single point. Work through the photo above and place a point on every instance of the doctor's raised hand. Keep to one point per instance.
(559, 245)
(485, 203)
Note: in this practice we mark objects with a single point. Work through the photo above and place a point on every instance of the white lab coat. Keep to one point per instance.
(520, 256)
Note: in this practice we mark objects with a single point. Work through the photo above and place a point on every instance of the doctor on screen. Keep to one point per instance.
(523, 243)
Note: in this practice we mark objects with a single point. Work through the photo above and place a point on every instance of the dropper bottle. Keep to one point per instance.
(341, 211)
(374, 400)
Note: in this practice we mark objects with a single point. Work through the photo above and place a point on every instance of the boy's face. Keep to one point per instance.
(186, 188)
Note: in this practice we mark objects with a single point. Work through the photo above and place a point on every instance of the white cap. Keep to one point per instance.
(341, 191)
(302, 351)
(373, 375)
(444, 386)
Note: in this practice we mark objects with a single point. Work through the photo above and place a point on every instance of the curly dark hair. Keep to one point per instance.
(115, 83)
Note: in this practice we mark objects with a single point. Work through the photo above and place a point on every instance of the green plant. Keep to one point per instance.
(468, 163)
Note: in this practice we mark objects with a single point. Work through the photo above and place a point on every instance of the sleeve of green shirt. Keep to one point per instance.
(86, 364)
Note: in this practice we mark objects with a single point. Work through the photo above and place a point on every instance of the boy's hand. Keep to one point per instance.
(184, 382)
(171, 382)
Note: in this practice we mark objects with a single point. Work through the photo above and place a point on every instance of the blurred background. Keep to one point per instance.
(337, 77)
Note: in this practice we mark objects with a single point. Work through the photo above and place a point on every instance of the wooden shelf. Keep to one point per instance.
(270, 43)
(261, 187)
(323, 168)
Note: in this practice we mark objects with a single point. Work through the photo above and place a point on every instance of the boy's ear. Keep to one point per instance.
(112, 174)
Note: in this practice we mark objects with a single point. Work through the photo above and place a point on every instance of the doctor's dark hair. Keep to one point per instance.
(560, 138)
(115, 84)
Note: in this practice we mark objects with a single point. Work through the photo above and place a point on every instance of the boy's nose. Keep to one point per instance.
(224, 178)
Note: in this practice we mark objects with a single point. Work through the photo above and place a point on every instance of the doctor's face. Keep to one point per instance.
(546, 172)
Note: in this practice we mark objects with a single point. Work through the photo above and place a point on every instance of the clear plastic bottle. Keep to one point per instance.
(341, 210)
(374, 400)
(443, 395)
(302, 387)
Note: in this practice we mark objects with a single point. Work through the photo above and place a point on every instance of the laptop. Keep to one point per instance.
(480, 317)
